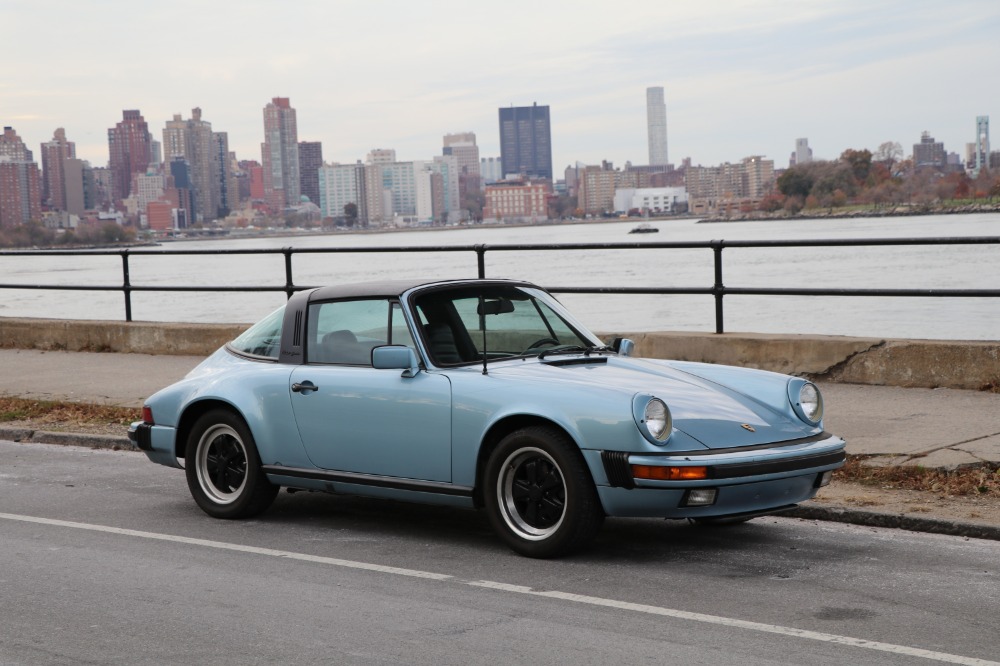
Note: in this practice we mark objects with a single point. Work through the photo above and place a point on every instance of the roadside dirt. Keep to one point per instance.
(977, 509)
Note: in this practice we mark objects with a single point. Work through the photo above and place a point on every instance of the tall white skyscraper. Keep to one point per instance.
(803, 153)
(656, 125)
(982, 142)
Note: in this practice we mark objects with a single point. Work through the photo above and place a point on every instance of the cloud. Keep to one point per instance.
(741, 77)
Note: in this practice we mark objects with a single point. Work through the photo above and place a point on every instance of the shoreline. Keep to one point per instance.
(757, 216)
(832, 214)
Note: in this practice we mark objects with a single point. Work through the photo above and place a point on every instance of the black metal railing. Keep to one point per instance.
(718, 290)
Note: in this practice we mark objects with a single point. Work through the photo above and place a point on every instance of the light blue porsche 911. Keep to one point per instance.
(486, 394)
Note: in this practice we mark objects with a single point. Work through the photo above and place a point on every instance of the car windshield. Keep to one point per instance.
(470, 324)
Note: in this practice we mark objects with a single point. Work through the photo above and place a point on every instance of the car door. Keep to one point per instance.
(354, 418)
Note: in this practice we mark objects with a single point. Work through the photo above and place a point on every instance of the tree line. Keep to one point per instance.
(863, 178)
(34, 234)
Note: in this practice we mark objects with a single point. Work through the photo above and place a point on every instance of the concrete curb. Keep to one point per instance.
(27, 435)
(895, 521)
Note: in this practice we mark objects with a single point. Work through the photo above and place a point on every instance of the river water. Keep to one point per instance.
(917, 267)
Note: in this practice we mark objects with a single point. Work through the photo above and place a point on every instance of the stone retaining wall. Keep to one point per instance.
(911, 363)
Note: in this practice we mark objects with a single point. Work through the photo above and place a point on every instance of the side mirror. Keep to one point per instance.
(396, 357)
(623, 346)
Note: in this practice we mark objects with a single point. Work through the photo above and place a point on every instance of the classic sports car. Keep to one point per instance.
(483, 393)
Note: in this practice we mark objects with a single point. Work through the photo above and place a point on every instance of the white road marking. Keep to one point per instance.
(520, 589)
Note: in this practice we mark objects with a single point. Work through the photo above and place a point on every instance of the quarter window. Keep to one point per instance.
(263, 339)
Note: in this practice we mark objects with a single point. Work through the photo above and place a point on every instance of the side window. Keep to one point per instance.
(263, 339)
(345, 332)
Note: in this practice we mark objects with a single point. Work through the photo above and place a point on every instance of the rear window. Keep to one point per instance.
(263, 339)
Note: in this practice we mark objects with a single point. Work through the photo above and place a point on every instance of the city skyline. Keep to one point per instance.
(739, 79)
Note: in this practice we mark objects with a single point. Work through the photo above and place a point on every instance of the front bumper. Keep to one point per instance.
(755, 498)
(752, 480)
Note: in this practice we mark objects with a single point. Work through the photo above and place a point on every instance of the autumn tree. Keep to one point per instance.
(888, 154)
(860, 162)
(351, 213)
(796, 182)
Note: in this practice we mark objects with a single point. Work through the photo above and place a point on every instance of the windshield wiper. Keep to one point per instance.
(572, 349)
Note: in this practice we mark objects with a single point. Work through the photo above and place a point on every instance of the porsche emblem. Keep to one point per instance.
(747, 426)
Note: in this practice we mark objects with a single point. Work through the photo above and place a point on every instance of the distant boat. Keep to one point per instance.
(644, 228)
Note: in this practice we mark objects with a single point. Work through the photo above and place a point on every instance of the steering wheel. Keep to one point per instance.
(543, 341)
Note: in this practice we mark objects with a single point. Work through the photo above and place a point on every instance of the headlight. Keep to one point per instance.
(810, 402)
(657, 419)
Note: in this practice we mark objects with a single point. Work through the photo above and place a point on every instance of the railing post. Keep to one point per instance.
(289, 284)
(481, 260)
(126, 286)
(718, 289)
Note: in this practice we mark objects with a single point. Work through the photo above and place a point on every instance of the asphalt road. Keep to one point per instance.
(107, 560)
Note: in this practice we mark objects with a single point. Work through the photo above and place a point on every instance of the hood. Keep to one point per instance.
(717, 416)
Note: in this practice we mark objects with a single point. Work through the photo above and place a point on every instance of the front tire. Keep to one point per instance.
(223, 468)
(539, 494)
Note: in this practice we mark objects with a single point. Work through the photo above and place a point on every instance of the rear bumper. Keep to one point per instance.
(157, 442)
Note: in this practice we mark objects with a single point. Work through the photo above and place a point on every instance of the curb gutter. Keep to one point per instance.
(811, 511)
(27, 435)
(838, 514)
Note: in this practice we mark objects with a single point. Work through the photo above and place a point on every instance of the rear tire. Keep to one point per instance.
(223, 467)
(539, 494)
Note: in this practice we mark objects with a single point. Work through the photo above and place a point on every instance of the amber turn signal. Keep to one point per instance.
(656, 473)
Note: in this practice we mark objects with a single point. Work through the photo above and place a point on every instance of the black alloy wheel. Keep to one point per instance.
(223, 468)
(539, 494)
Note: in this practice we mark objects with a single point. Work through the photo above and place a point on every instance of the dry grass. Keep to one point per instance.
(978, 481)
(66, 413)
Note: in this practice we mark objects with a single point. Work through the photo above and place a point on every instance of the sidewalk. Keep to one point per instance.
(931, 427)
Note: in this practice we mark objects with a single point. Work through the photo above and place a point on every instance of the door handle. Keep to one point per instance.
(304, 386)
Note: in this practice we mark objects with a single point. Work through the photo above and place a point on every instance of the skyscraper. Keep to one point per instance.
(130, 149)
(280, 155)
(463, 147)
(929, 153)
(226, 188)
(982, 142)
(13, 148)
(20, 195)
(310, 160)
(526, 141)
(195, 141)
(54, 156)
(803, 153)
(656, 125)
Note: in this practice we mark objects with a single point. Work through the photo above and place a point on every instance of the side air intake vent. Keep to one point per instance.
(297, 334)
(617, 468)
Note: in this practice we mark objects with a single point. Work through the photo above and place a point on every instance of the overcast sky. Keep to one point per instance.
(740, 77)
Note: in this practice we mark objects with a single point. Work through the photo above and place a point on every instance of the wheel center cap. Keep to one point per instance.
(535, 494)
